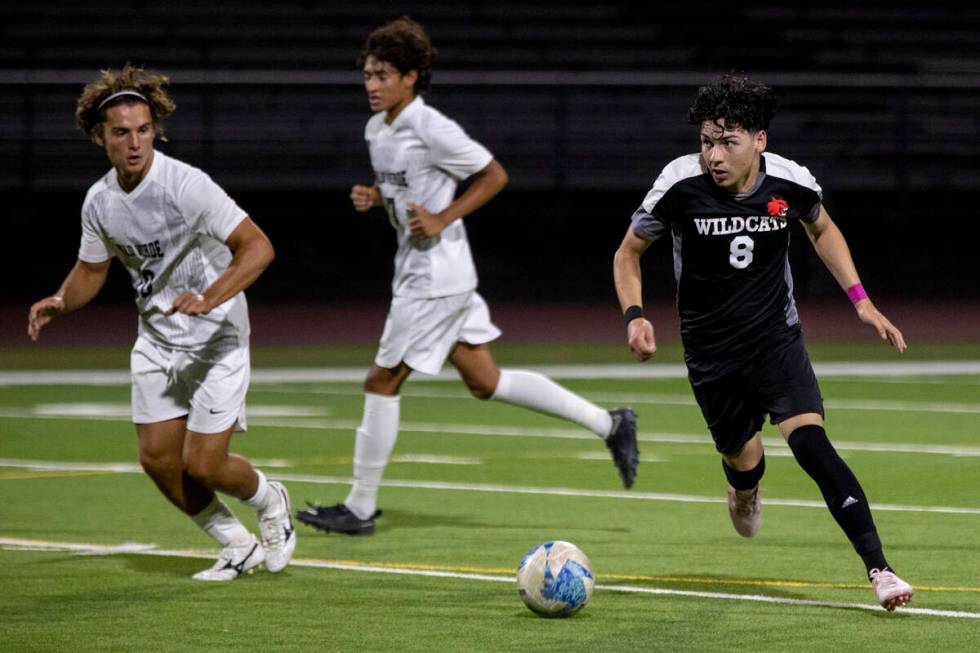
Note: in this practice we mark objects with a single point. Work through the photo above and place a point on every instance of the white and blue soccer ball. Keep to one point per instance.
(555, 579)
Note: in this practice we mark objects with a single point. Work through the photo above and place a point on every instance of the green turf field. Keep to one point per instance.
(472, 486)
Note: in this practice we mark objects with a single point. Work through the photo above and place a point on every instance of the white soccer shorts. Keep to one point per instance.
(208, 386)
(422, 332)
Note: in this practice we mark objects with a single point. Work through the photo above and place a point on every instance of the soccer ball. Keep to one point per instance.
(555, 579)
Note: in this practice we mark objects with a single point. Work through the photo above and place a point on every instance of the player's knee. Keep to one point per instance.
(159, 464)
(382, 382)
(481, 391)
(202, 469)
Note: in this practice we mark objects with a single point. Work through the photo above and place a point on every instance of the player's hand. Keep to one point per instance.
(886, 330)
(639, 334)
(190, 303)
(423, 224)
(364, 198)
(43, 312)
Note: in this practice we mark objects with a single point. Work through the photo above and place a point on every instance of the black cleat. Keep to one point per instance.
(337, 519)
(622, 444)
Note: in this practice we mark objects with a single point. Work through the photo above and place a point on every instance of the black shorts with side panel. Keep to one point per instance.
(735, 396)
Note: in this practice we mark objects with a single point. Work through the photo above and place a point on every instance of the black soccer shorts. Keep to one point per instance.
(777, 379)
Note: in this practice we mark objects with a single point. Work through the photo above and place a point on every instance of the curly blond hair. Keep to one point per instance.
(90, 116)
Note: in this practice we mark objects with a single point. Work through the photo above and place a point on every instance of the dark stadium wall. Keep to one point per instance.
(530, 246)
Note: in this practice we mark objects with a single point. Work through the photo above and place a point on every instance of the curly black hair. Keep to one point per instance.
(405, 45)
(742, 102)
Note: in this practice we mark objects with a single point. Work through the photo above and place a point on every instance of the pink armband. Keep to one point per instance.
(856, 293)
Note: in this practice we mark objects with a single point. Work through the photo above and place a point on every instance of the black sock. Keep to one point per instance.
(745, 480)
(840, 489)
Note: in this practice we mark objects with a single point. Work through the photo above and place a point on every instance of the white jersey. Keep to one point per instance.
(170, 233)
(420, 158)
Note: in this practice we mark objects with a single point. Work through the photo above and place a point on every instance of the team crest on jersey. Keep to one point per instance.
(777, 207)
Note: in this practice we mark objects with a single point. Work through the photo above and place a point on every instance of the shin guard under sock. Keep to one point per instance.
(841, 491)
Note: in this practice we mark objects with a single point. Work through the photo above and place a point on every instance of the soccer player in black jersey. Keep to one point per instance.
(727, 211)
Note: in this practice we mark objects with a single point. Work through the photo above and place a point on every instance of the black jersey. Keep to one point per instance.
(734, 287)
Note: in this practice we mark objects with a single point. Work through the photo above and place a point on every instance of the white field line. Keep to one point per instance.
(426, 459)
(655, 399)
(605, 494)
(114, 468)
(527, 432)
(124, 409)
(578, 434)
(130, 468)
(630, 371)
(910, 380)
(18, 544)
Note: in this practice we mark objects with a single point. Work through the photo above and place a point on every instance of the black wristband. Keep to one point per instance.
(632, 313)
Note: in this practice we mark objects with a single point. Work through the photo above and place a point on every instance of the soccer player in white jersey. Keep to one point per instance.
(727, 211)
(190, 251)
(419, 155)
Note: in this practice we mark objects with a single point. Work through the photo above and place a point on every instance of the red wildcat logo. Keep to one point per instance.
(777, 207)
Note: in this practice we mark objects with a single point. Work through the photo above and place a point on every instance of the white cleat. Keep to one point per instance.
(278, 533)
(892, 591)
(233, 561)
(745, 509)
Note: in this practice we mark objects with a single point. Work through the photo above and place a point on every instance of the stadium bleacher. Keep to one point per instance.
(881, 99)
(869, 92)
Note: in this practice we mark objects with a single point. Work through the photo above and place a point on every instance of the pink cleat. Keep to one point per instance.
(892, 591)
(745, 509)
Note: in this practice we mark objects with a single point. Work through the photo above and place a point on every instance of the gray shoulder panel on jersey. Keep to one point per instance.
(778, 166)
(679, 169)
(792, 315)
(646, 226)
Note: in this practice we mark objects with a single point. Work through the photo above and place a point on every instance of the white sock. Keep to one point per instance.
(538, 392)
(375, 440)
(221, 524)
(265, 498)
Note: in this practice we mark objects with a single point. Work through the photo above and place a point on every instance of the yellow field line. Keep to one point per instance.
(629, 577)
(509, 572)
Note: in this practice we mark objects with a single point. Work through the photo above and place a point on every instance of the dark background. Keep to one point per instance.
(583, 103)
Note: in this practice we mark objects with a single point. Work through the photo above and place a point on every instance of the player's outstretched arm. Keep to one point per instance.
(831, 247)
(486, 184)
(251, 254)
(82, 284)
(365, 198)
(629, 289)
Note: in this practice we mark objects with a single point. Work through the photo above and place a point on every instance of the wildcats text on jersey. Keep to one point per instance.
(733, 225)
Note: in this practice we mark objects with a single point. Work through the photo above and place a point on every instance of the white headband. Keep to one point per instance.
(112, 97)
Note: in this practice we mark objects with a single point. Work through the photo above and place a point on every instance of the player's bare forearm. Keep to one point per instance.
(831, 247)
(252, 252)
(486, 184)
(82, 284)
(626, 270)
(629, 290)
